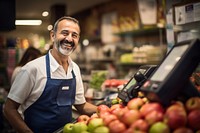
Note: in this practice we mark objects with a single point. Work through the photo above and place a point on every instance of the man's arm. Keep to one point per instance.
(86, 108)
(12, 115)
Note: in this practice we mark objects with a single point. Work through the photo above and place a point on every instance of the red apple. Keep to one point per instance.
(130, 130)
(119, 112)
(148, 107)
(176, 106)
(194, 119)
(175, 116)
(193, 103)
(109, 118)
(83, 118)
(130, 116)
(183, 130)
(135, 103)
(103, 108)
(154, 116)
(116, 111)
(178, 103)
(113, 107)
(117, 127)
(139, 125)
(103, 114)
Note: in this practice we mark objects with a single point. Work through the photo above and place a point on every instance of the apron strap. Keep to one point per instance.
(73, 75)
(48, 66)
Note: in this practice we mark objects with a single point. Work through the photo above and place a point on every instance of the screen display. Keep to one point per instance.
(168, 64)
(143, 71)
(130, 84)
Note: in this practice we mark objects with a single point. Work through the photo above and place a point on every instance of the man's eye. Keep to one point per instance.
(74, 35)
(65, 33)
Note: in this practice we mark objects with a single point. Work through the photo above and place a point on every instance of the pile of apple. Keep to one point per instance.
(141, 116)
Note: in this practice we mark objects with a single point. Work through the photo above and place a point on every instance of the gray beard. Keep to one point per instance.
(63, 51)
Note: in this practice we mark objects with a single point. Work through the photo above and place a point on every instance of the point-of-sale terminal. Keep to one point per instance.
(131, 89)
(170, 79)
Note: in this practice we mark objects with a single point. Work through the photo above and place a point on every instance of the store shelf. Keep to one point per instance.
(103, 60)
(140, 32)
(131, 64)
(137, 64)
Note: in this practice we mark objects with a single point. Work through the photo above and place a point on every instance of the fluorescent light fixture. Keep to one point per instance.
(28, 22)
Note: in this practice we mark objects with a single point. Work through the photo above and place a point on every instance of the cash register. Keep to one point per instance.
(170, 79)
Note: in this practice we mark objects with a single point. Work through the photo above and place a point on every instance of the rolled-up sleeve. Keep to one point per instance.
(80, 95)
(21, 87)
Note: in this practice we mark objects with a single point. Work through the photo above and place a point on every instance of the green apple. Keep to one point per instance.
(68, 128)
(159, 127)
(114, 101)
(79, 127)
(85, 132)
(101, 129)
(94, 123)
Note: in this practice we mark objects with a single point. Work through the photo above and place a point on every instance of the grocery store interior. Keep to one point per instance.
(117, 38)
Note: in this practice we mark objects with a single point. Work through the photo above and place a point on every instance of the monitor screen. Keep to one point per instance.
(130, 84)
(169, 63)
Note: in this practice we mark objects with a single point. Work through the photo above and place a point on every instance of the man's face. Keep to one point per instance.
(67, 36)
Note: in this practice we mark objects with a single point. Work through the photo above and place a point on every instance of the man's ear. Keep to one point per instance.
(52, 35)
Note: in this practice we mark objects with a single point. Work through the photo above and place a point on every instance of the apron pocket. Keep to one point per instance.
(64, 96)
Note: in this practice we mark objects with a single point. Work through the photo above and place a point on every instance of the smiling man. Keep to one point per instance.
(46, 88)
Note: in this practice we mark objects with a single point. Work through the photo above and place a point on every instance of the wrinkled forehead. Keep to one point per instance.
(68, 25)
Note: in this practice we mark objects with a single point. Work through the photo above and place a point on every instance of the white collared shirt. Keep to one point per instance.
(31, 81)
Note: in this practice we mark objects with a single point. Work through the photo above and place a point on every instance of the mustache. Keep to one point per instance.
(72, 44)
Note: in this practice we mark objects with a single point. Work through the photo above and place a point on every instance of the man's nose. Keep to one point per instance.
(69, 37)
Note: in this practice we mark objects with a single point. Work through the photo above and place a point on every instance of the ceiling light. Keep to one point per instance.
(86, 42)
(45, 14)
(28, 22)
(50, 27)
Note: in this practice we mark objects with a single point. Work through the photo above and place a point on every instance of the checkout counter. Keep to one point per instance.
(168, 81)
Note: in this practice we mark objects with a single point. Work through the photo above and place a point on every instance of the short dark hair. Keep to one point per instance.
(65, 18)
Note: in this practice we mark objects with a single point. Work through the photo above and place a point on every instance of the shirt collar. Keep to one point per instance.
(54, 64)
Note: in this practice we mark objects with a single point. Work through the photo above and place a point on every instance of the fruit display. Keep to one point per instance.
(141, 116)
(113, 83)
(143, 55)
(97, 79)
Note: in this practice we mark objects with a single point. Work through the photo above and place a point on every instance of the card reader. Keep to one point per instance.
(131, 89)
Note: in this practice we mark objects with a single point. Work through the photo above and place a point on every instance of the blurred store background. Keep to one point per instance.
(117, 36)
(108, 28)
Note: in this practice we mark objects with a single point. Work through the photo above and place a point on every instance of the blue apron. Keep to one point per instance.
(53, 109)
